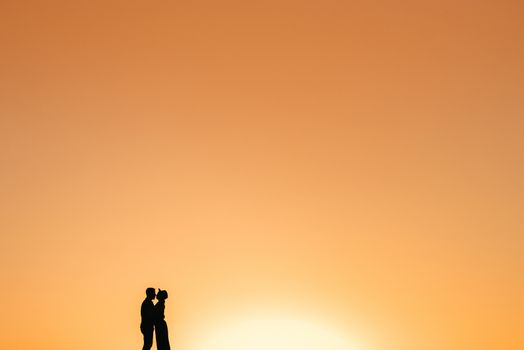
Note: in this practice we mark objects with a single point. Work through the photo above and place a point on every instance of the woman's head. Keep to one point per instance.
(161, 295)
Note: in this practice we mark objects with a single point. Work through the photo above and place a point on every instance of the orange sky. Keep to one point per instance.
(355, 162)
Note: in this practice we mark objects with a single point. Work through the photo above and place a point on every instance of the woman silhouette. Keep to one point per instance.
(162, 339)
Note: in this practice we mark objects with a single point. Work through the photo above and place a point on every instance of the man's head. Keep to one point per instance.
(150, 292)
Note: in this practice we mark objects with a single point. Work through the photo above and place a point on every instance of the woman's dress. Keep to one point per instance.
(162, 338)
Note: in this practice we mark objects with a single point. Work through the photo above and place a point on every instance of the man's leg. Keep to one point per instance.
(148, 339)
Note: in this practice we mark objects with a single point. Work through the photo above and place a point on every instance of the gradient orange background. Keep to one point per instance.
(355, 162)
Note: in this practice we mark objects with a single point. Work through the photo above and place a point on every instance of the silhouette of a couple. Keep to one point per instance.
(153, 320)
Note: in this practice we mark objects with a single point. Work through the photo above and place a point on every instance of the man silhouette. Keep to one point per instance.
(147, 314)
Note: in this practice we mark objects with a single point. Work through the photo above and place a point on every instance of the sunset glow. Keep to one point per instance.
(277, 334)
(349, 173)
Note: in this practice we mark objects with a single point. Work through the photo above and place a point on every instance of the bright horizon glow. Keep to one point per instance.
(276, 334)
